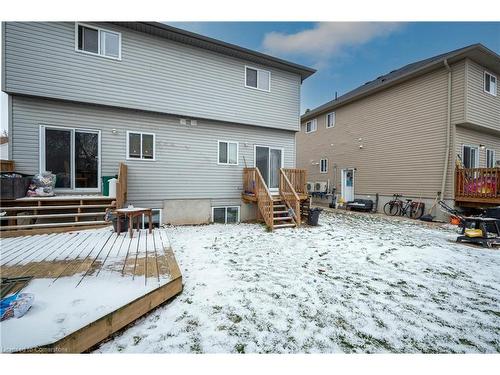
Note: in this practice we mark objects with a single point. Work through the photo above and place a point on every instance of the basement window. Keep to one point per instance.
(156, 219)
(97, 41)
(226, 215)
(490, 84)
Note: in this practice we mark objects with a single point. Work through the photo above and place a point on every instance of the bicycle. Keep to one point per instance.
(410, 208)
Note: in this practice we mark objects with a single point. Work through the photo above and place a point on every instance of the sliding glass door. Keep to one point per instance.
(269, 160)
(73, 155)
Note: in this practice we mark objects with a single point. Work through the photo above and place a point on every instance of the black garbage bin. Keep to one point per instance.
(123, 223)
(314, 216)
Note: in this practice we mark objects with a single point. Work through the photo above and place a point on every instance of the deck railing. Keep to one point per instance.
(249, 180)
(297, 178)
(289, 195)
(7, 165)
(253, 183)
(121, 186)
(477, 184)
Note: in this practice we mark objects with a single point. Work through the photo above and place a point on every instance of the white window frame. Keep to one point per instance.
(477, 155)
(494, 88)
(334, 118)
(99, 30)
(225, 213)
(237, 152)
(160, 212)
(314, 125)
(321, 165)
(127, 156)
(258, 70)
(41, 160)
(488, 150)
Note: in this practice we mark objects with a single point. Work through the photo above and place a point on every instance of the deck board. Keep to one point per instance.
(101, 281)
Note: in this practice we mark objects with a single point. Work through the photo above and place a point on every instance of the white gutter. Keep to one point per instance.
(448, 132)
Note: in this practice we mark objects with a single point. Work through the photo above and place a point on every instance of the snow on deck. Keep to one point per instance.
(357, 283)
(79, 277)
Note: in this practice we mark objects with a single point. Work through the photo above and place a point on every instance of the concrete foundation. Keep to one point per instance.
(187, 211)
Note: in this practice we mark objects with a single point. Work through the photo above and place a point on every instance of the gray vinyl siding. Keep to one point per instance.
(482, 108)
(186, 156)
(154, 74)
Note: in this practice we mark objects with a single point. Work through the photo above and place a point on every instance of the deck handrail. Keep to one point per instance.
(121, 185)
(297, 178)
(253, 183)
(289, 195)
(481, 183)
(264, 200)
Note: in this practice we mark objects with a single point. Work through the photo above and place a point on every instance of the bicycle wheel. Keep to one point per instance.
(416, 210)
(391, 208)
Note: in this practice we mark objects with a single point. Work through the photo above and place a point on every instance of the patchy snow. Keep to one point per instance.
(356, 283)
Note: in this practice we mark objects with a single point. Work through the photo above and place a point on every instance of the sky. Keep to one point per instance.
(347, 55)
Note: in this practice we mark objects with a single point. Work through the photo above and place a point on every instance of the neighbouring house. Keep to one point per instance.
(404, 132)
(185, 113)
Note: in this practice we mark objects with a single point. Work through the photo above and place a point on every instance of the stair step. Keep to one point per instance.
(282, 218)
(279, 206)
(277, 226)
(281, 212)
(53, 225)
(69, 207)
(53, 216)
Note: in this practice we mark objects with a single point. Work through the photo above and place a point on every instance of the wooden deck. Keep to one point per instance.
(87, 285)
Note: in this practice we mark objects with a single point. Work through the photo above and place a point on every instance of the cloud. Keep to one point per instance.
(326, 39)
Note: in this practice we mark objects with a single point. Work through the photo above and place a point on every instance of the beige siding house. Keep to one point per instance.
(390, 135)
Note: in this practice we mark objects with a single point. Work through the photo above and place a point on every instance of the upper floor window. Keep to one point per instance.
(330, 120)
(311, 126)
(140, 146)
(323, 166)
(98, 41)
(490, 158)
(257, 79)
(228, 153)
(490, 83)
(470, 156)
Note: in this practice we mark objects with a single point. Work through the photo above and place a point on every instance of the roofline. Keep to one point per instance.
(304, 71)
(452, 57)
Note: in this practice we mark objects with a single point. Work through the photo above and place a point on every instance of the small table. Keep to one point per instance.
(133, 213)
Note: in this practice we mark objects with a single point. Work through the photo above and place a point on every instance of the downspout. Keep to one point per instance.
(448, 132)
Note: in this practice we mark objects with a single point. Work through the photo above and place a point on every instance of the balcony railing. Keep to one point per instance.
(477, 185)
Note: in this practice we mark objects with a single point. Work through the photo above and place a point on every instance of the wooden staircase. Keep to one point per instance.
(281, 210)
(281, 214)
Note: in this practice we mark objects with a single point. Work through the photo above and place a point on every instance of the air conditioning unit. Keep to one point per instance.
(320, 187)
(310, 187)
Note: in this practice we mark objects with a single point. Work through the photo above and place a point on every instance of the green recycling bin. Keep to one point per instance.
(105, 184)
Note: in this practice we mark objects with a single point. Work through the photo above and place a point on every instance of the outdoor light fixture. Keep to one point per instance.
(482, 147)
(114, 131)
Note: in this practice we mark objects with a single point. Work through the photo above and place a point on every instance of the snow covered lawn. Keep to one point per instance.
(356, 283)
